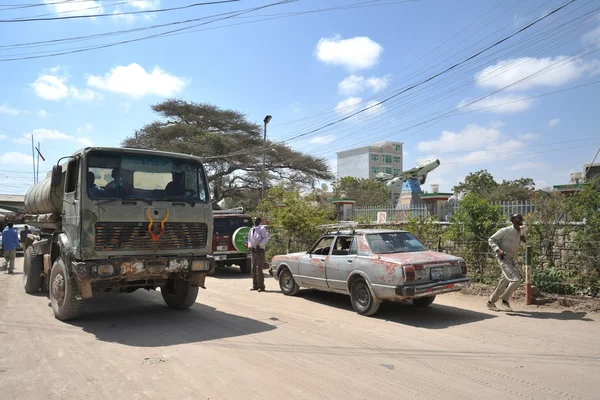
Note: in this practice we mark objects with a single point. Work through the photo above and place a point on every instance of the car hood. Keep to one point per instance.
(419, 257)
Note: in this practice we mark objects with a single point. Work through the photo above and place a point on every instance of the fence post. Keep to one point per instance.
(528, 275)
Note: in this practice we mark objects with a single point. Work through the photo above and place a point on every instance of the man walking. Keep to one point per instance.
(10, 243)
(506, 243)
(257, 243)
(23, 236)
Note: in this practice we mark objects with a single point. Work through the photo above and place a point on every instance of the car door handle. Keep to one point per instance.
(323, 259)
(349, 261)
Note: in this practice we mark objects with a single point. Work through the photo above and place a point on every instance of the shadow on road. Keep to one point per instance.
(436, 316)
(563, 316)
(231, 273)
(142, 319)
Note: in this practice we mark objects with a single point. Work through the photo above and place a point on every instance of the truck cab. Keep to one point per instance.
(118, 220)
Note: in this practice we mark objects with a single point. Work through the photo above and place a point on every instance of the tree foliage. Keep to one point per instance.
(483, 184)
(366, 192)
(294, 217)
(231, 147)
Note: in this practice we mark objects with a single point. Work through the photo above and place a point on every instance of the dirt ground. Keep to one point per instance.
(237, 344)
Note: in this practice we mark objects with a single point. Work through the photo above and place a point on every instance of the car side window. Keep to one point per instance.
(353, 250)
(342, 244)
(323, 246)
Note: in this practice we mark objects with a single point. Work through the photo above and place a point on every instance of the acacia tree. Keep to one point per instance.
(366, 192)
(230, 146)
(483, 184)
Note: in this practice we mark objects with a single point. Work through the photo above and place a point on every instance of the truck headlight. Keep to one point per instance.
(106, 270)
(200, 265)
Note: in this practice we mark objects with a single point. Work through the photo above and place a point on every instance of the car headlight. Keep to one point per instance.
(200, 265)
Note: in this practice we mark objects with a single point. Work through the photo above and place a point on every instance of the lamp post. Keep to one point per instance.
(264, 175)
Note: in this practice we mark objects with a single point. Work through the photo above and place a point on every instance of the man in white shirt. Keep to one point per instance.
(257, 243)
(506, 243)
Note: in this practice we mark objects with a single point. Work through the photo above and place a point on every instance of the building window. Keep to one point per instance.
(375, 170)
(396, 171)
(387, 159)
(387, 170)
(397, 160)
(397, 147)
(374, 157)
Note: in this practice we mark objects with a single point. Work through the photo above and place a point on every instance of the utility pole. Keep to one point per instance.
(33, 158)
(264, 174)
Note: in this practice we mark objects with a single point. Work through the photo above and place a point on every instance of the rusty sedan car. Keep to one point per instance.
(371, 266)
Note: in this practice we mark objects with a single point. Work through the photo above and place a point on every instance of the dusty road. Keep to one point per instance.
(236, 344)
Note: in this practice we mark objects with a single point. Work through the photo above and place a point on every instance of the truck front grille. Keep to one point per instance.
(112, 236)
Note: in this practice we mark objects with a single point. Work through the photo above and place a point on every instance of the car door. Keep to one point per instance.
(311, 267)
(341, 262)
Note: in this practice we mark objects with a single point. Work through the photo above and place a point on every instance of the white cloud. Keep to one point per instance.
(348, 106)
(529, 136)
(43, 113)
(486, 143)
(509, 71)
(8, 110)
(472, 137)
(323, 139)
(295, 107)
(52, 86)
(14, 158)
(145, 4)
(499, 104)
(43, 135)
(525, 165)
(553, 122)
(134, 81)
(593, 37)
(89, 7)
(85, 128)
(355, 53)
(375, 108)
(357, 84)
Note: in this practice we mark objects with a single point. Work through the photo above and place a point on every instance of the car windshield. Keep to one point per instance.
(394, 242)
(145, 177)
(228, 225)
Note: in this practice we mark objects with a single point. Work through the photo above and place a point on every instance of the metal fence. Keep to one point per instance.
(448, 209)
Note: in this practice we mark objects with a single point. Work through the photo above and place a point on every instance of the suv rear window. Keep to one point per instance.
(228, 225)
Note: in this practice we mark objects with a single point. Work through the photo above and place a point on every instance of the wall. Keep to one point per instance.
(355, 164)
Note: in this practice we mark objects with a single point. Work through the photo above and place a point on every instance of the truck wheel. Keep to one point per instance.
(244, 266)
(361, 298)
(64, 293)
(423, 301)
(179, 293)
(287, 284)
(33, 265)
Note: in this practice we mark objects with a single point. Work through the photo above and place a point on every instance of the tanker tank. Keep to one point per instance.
(43, 199)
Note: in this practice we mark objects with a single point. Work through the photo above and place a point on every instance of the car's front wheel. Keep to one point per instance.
(244, 266)
(423, 301)
(287, 284)
(362, 300)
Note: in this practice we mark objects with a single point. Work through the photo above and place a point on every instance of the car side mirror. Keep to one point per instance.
(56, 176)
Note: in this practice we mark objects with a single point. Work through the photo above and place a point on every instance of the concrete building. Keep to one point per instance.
(366, 162)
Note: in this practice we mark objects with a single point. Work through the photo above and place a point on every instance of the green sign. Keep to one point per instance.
(240, 238)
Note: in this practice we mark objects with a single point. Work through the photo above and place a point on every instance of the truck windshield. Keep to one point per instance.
(147, 177)
(394, 242)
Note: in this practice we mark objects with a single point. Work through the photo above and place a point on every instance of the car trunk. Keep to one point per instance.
(427, 266)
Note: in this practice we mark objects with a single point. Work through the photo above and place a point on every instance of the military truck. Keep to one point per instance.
(117, 220)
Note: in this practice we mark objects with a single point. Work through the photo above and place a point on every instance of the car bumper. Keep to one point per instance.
(228, 258)
(434, 288)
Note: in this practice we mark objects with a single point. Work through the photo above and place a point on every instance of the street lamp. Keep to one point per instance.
(264, 175)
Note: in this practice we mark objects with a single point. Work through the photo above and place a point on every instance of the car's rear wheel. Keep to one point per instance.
(362, 300)
(244, 266)
(423, 301)
(287, 284)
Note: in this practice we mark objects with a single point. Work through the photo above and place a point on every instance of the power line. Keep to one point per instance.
(160, 10)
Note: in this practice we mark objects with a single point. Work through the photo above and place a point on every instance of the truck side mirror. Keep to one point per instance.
(56, 176)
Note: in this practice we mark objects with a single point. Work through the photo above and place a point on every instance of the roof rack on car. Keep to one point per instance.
(237, 210)
(350, 225)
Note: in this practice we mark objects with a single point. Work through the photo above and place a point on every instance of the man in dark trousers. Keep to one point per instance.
(23, 237)
(10, 244)
(506, 243)
(257, 243)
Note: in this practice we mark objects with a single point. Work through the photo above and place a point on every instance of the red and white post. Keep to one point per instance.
(528, 299)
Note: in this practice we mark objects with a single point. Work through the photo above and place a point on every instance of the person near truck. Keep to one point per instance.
(258, 237)
(10, 244)
(506, 243)
(23, 237)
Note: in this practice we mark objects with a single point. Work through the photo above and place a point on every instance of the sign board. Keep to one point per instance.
(381, 217)
(240, 238)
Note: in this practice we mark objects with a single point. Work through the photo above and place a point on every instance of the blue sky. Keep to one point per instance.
(311, 69)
